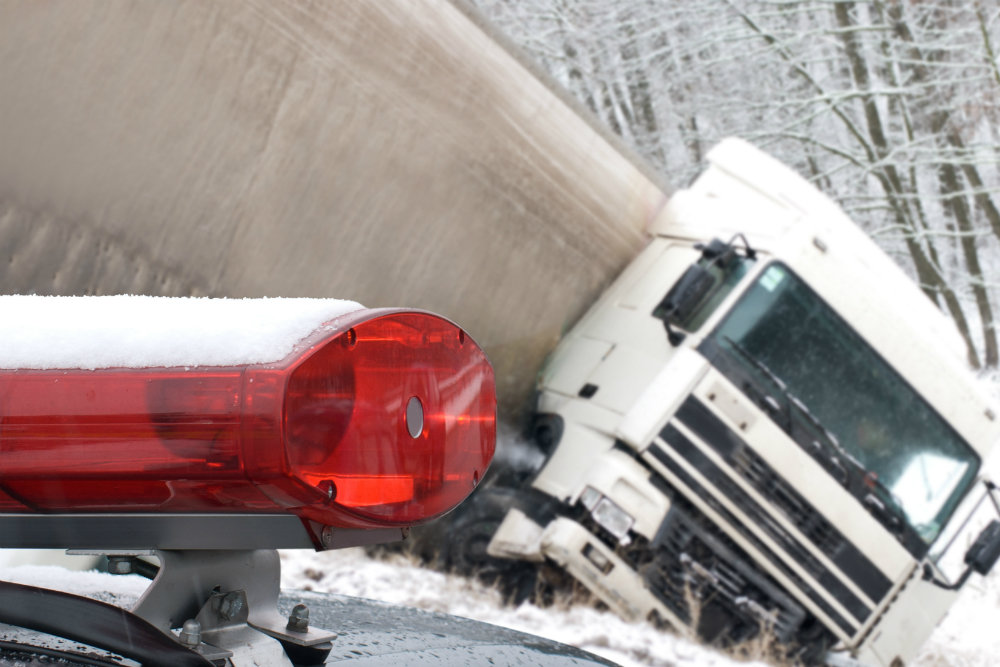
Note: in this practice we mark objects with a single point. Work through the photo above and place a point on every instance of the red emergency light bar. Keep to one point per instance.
(380, 418)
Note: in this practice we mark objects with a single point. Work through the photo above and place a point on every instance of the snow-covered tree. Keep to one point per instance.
(890, 106)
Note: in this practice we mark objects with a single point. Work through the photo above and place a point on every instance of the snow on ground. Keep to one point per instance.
(968, 637)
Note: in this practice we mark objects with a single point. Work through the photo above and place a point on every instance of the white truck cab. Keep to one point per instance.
(763, 424)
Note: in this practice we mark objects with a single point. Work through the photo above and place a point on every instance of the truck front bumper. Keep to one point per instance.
(587, 559)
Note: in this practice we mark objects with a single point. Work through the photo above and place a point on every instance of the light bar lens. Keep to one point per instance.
(325, 433)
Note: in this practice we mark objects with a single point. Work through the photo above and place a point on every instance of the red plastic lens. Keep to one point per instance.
(326, 433)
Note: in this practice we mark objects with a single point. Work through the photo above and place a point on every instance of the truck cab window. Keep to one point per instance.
(836, 397)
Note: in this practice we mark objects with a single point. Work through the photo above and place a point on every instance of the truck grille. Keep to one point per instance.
(765, 480)
(702, 577)
(776, 490)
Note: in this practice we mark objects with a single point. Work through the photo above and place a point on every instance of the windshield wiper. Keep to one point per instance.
(825, 443)
(767, 401)
(758, 364)
(831, 455)
(885, 506)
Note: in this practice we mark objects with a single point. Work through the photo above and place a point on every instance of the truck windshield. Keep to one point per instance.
(798, 349)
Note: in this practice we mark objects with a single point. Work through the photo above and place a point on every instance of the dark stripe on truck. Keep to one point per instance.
(686, 449)
(697, 417)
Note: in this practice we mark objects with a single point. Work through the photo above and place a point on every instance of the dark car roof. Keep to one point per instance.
(368, 633)
(377, 632)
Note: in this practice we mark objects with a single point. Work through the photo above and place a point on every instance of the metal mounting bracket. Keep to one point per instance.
(226, 604)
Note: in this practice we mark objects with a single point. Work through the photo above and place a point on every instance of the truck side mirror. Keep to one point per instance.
(700, 283)
(980, 558)
(683, 298)
(984, 552)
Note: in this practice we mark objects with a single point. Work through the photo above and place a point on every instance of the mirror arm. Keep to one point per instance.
(750, 253)
(929, 576)
(990, 488)
(675, 337)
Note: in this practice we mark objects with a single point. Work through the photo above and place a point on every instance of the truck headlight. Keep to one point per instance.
(607, 514)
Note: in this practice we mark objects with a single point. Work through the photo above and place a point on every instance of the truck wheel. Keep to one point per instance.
(468, 536)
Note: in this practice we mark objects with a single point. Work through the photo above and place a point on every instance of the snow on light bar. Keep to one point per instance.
(346, 416)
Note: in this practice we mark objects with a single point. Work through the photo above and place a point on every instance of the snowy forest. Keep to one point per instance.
(888, 106)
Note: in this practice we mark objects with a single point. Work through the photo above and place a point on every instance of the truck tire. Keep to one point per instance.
(468, 536)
